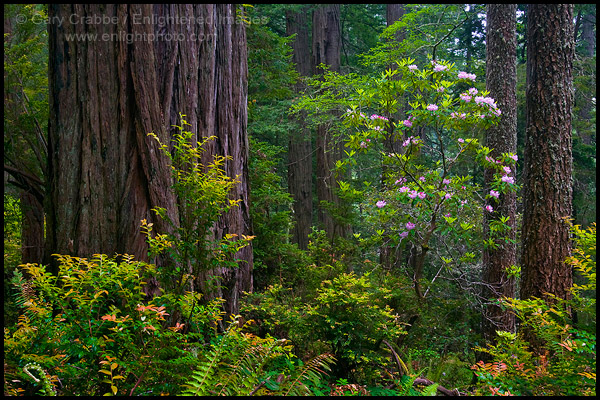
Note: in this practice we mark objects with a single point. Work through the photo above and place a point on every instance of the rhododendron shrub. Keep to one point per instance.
(427, 198)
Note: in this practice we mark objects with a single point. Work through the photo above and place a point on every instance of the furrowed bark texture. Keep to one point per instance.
(501, 79)
(300, 144)
(326, 50)
(547, 188)
(108, 92)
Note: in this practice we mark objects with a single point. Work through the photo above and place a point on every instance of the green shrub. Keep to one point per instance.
(352, 317)
(565, 364)
(203, 193)
(93, 331)
(12, 251)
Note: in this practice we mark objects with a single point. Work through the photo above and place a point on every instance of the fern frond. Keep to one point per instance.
(310, 370)
(430, 390)
(205, 374)
(201, 376)
(246, 372)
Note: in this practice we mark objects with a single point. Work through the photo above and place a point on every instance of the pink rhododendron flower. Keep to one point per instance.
(461, 140)
(404, 189)
(508, 179)
(466, 75)
(446, 181)
(489, 208)
(494, 193)
(410, 225)
(363, 145)
(465, 97)
(421, 195)
(432, 107)
(403, 234)
(506, 170)
(381, 203)
(514, 157)
(375, 116)
(413, 67)
(439, 68)
(407, 123)
(412, 194)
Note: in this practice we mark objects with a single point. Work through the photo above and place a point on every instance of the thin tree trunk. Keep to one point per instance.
(32, 228)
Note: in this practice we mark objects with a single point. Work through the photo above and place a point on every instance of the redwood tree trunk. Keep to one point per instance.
(300, 144)
(326, 50)
(389, 255)
(548, 162)
(105, 173)
(501, 78)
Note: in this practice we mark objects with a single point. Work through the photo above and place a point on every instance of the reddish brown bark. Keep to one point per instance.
(105, 173)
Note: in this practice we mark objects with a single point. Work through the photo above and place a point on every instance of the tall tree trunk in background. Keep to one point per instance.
(32, 228)
(501, 79)
(105, 173)
(326, 45)
(388, 255)
(548, 161)
(588, 34)
(27, 172)
(300, 145)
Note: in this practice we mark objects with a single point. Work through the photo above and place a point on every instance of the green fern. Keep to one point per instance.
(311, 371)
(235, 366)
(204, 376)
(245, 374)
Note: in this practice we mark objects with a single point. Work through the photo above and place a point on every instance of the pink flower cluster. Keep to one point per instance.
(408, 122)
(413, 194)
(375, 116)
(458, 115)
(410, 140)
(465, 75)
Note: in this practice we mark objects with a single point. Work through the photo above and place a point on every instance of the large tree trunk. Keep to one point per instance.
(548, 161)
(501, 78)
(300, 145)
(326, 50)
(105, 173)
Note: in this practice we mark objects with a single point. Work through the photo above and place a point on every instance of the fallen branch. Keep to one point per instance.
(441, 389)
